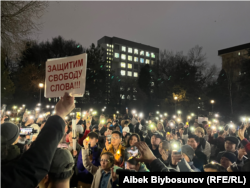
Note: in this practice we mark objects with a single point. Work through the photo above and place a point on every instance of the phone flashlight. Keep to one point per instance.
(157, 118)
(40, 116)
(141, 115)
(157, 112)
(161, 120)
(146, 121)
(160, 115)
(133, 112)
(189, 117)
(117, 112)
(213, 127)
(151, 125)
(220, 128)
(103, 110)
(192, 128)
(103, 121)
(171, 124)
(165, 114)
(174, 116)
(66, 117)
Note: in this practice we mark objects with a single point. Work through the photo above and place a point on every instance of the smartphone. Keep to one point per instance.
(116, 168)
(173, 131)
(131, 152)
(126, 165)
(109, 139)
(226, 127)
(3, 111)
(25, 131)
(176, 147)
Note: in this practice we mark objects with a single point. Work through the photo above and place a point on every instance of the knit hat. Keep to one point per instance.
(189, 151)
(230, 156)
(62, 161)
(9, 133)
(232, 139)
(125, 129)
(158, 135)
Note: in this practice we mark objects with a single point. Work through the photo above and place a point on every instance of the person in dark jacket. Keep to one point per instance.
(39, 156)
(85, 178)
(219, 142)
(155, 164)
(61, 170)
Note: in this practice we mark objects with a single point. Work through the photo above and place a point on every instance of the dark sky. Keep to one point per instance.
(174, 26)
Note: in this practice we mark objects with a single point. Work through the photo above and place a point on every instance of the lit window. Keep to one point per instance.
(135, 51)
(109, 66)
(152, 55)
(147, 54)
(135, 59)
(130, 58)
(124, 48)
(142, 53)
(152, 62)
(130, 50)
(129, 73)
(107, 53)
(49, 99)
(110, 58)
(147, 61)
(123, 96)
(109, 74)
(130, 66)
(108, 45)
(116, 55)
(141, 60)
(152, 83)
(123, 65)
(123, 72)
(135, 74)
(238, 53)
(112, 46)
(123, 56)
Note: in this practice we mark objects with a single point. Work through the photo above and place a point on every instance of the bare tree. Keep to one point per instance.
(18, 21)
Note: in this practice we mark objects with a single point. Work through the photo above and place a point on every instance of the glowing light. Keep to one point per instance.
(146, 121)
(23, 105)
(103, 110)
(52, 107)
(157, 118)
(40, 116)
(160, 115)
(31, 117)
(178, 120)
(189, 117)
(91, 110)
(87, 138)
(192, 114)
(40, 85)
(47, 106)
(66, 118)
(39, 104)
(179, 112)
(118, 152)
(216, 115)
(175, 145)
(133, 112)
(141, 115)
(161, 120)
(174, 116)
(212, 101)
(37, 109)
(117, 112)
(165, 114)
(175, 98)
(157, 112)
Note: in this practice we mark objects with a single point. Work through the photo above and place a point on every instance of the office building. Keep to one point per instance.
(123, 62)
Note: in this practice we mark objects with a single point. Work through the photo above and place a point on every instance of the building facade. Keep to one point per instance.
(123, 62)
(232, 57)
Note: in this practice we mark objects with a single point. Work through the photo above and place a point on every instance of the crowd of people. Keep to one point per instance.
(107, 145)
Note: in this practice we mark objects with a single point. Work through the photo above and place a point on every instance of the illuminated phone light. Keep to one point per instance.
(216, 115)
(174, 116)
(213, 127)
(192, 114)
(23, 105)
(161, 120)
(52, 106)
(47, 106)
(244, 119)
(103, 110)
(29, 112)
(133, 112)
(168, 132)
(18, 110)
(179, 112)
(165, 114)
(192, 128)
(40, 116)
(87, 138)
(151, 125)
(231, 125)
(220, 128)
(161, 116)
(141, 115)
(12, 119)
(171, 124)
(37, 109)
(105, 107)
(66, 118)
(209, 122)
(54, 112)
(135, 115)
(174, 145)
(178, 120)
(17, 119)
(157, 112)
(103, 121)
(8, 112)
(146, 121)
(91, 110)
(31, 117)
(39, 104)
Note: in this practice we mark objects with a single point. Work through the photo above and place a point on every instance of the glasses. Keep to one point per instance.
(104, 160)
(115, 138)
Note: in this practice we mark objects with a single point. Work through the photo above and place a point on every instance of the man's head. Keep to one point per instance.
(116, 138)
(164, 147)
(108, 124)
(221, 134)
(204, 123)
(196, 124)
(110, 130)
(187, 152)
(107, 161)
(117, 128)
(193, 141)
(199, 132)
(61, 170)
(126, 123)
(227, 159)
(93, 139)
(213, 168)
(132, 164)
(156, 139)
(9, 133)
(231, 143)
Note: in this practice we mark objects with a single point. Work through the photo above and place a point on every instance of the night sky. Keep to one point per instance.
(174, 26)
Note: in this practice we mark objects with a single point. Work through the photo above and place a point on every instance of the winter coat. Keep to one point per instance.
(34, 164)
(83, 174)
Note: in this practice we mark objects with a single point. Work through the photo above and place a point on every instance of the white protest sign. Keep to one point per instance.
(65, 75)
(201, 119)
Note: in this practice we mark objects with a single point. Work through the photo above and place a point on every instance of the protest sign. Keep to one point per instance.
(201, 119)
(66, 74)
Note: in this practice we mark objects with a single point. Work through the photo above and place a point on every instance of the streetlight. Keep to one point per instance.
(175, 98)
(212, 102)
(40, 86)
